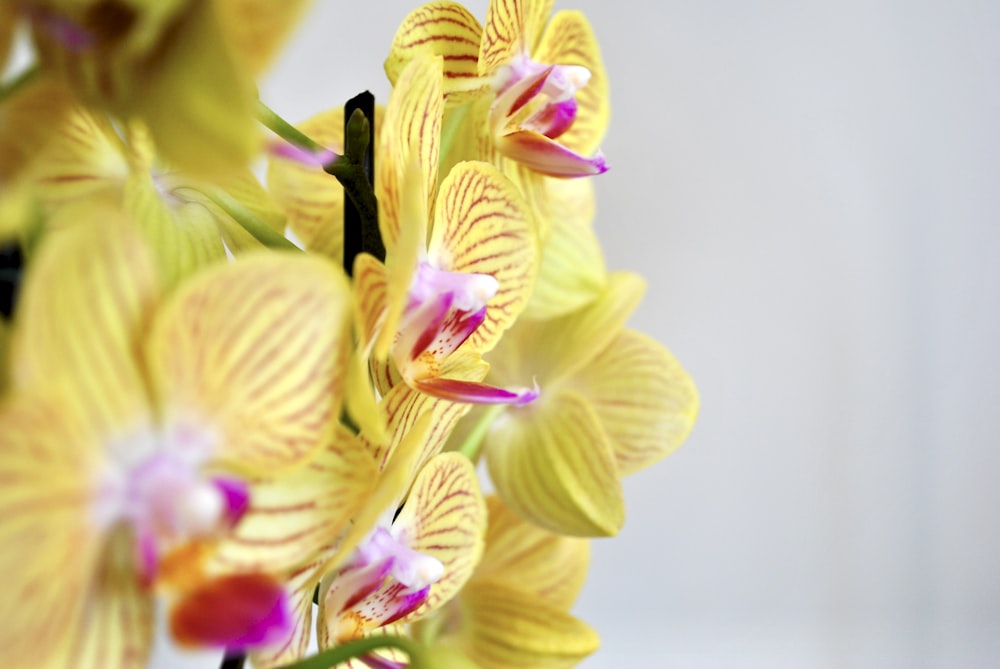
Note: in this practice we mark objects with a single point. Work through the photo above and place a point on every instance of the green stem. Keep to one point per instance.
(352, 649)
(20, 80)
(260, 230)
(285, 130)
(474, 439)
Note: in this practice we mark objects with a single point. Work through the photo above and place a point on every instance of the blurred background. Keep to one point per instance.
(812, 190)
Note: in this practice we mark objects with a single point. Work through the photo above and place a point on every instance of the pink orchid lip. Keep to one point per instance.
(548, 156)
(471, 392)
(72, 36)
(238, 612)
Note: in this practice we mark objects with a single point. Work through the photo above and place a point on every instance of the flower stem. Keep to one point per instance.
(352, 649)
(260, 230)
(473, 442)
(284, 129)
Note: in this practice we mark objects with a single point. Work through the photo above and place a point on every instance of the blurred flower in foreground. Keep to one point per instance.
(133, 424)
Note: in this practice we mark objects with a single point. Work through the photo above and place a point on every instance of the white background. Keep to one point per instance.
(811, 189)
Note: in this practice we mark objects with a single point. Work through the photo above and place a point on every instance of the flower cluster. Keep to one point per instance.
(257, 403)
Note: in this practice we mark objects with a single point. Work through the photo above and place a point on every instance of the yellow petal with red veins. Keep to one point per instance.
(291, 518)
(48, 525)
(512, 28)
(257, 351)
(645, 400)
(553, 350)
(551, 567)
(482, 225)
(312, 200)
(572, 271)
(117, 629)
(445, 29)
(444, 517)
(257, 29)
(553, 464)
(44, 112)
(393, 483)
(197, 103)
(503, 628)
(569, 40)
(87, 333)
(411, 132)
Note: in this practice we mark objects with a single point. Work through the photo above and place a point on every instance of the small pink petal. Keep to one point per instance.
(475, 393)
(548, 156)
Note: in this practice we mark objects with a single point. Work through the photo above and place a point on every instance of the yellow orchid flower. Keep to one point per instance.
(134, 432)
(449, 295)
(533, 89)
(63, 154)
(418, 426)
(185, 68)
(615, 402)
(514, 610)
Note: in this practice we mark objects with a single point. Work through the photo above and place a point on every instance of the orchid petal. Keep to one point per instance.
(256, 29)
(256, 350)
(554, 350)
(482, 226)
(87, 332)
(569, 40)
(47, 525)
(554, 465)
(238, 612)
(643, 398)
(446, 29)
(117, 629)
(410, 139)
(183, 240)
(512, 28)
(572, 272)
(523, 556)
(504, 628)
(292, 517)
(391, 487)
(444, 517)
(548, 156)
(7, 24)
(405, 407)
(69, 153)
(198, 104)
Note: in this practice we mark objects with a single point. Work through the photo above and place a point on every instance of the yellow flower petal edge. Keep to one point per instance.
(87, 332)
(444, 517)
(644, 399)
(291, 518)
(256, 29)
(446, 29)
(257, 349)
(512, 27)
(47, 524)
(523, 556)
(503, 628)
(411, 134)
(553, 464)
(570, 40)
